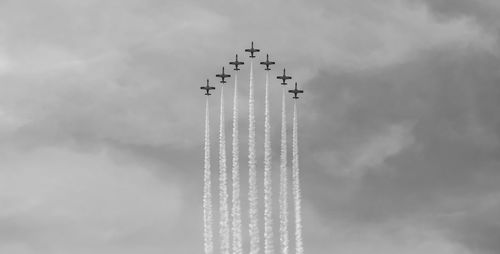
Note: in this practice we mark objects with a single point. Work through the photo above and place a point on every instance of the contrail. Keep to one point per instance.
(268, 202)
(296, 186)
(283, 181)
(207, 195)
(236, 208)
(223, 195)
(252, 174)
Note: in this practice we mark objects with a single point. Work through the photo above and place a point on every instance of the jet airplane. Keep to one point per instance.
(295, 91)
(236, 63)
(252, 50)
(267, 63)
(284, 77)
(207, 88)
(223, 75)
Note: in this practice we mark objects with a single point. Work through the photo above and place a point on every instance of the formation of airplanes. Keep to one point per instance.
(237, 63)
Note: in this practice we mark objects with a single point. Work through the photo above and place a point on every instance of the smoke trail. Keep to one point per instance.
(223, 195)
(296, 187)
(268, 209)
(283, 181)
(236, 208)
(252, 174)
(207, 195)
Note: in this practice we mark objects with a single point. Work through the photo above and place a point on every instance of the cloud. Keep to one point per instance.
(400, 236)
(370, 154)
(399, 122)
(483, 11)
(59, 201)
(449, 96)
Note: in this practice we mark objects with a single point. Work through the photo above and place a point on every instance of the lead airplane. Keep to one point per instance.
(236, 63)
(267, 63)
(252, 50)
(284, 77)
(207, 88)
(295, 91)
(223, 76)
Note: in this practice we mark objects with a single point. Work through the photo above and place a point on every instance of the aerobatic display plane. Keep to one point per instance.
(207, 88)
(236, 63)
(284, 77)
(267, 63)
(295, 91)
(252, 50)
(223, 75)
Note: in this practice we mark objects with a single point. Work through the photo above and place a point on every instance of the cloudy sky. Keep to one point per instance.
(101, 121)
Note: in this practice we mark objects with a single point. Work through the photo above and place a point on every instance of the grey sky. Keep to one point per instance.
(101, 121)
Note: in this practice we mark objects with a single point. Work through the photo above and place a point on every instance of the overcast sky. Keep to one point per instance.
(101, 121)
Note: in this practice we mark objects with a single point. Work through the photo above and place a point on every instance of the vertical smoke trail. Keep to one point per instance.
(207, 195)
(252, 174)
(223, 195)
(296, 186)
(236, 208)
(283, 181)
(268, 209)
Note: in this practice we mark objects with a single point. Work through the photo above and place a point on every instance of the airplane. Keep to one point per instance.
(284, 77)
(236, 63)
(267, 63)
(295, 91)
(207, 88)
(223, 76)
(252, 50)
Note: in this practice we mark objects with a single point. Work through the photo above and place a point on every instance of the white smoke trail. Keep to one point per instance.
(268, 203)
(283, 181)
(296, 186)
(252, 174)
(223, 195)
(236, 208)
(207, 195)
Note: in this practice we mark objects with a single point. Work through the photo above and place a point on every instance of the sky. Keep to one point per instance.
(101, 121)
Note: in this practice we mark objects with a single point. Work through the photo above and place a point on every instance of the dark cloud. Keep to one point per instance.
(484, 11)
(449, 97)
